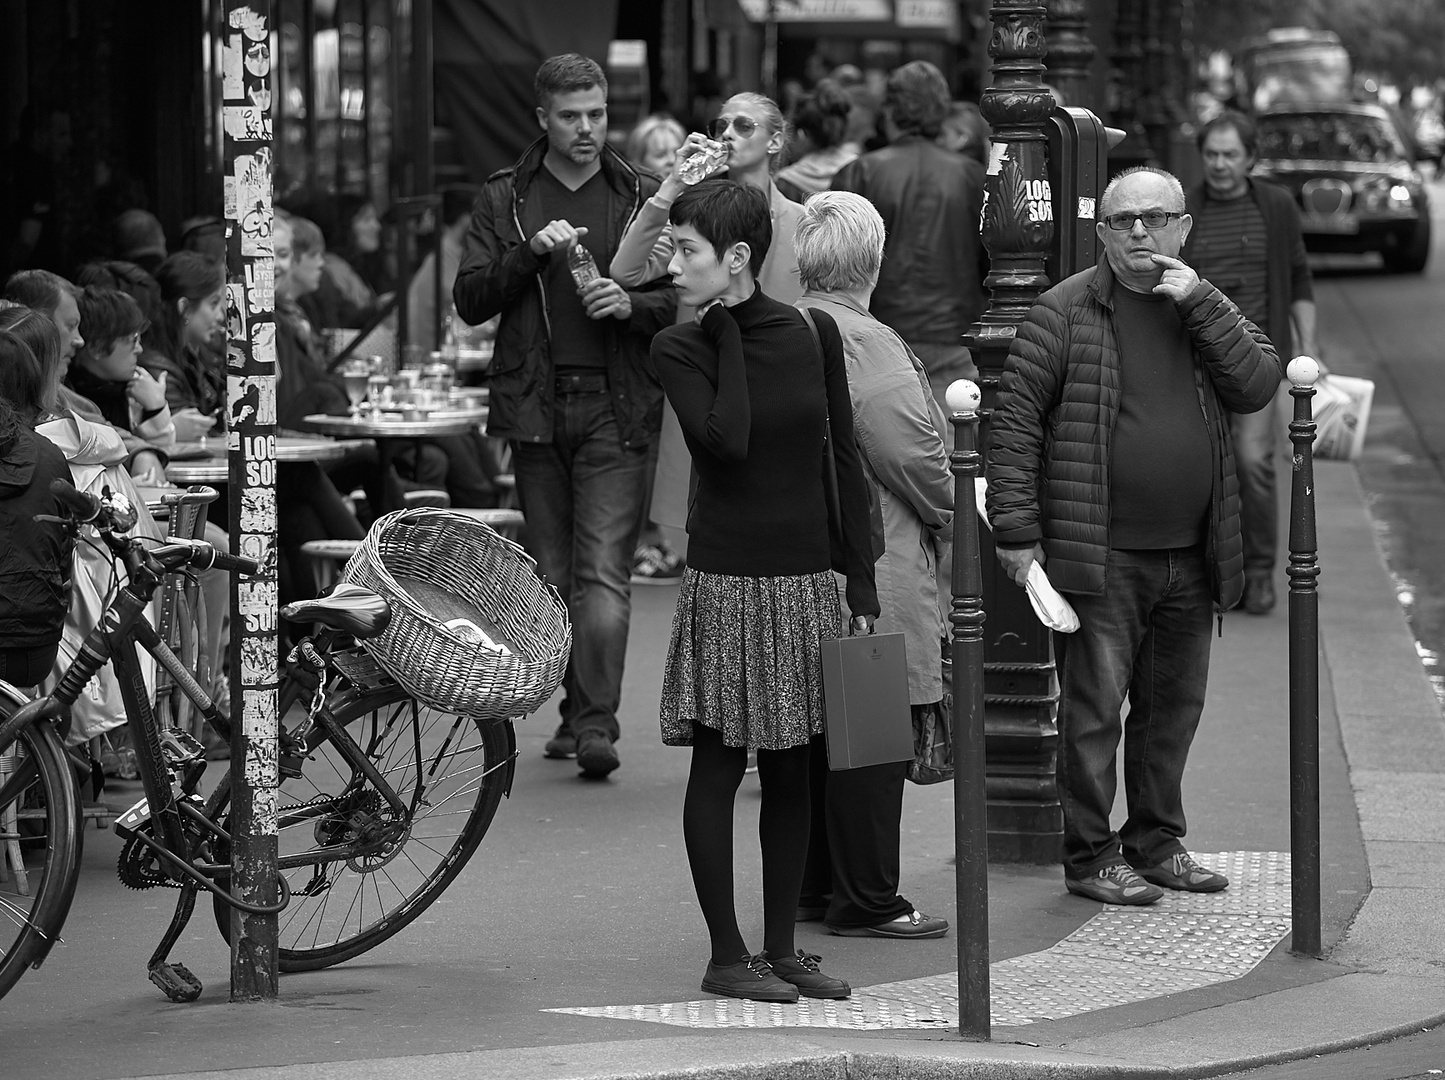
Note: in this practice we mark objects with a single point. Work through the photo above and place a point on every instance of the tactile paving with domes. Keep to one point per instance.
(1120, 956)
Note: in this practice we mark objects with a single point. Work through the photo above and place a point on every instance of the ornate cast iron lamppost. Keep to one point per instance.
(1025, 821)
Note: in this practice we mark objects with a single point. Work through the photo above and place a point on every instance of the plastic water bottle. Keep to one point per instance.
(703, 163)
(583, 266)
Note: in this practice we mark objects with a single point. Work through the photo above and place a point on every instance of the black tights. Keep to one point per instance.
(707, 828)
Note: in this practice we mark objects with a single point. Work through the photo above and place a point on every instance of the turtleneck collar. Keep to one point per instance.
(751, 311)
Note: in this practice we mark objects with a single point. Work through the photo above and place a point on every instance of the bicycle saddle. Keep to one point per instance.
(349, 608)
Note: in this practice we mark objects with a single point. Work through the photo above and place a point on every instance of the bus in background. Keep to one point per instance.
(1294, 64)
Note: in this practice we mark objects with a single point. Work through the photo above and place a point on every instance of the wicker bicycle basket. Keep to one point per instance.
(434, 568)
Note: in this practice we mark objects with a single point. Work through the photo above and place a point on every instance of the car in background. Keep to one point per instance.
(1355, 183)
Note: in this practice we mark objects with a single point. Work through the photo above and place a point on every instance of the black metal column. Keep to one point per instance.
(1025, 822)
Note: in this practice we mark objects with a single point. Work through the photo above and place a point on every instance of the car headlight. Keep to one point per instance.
(1384, 193)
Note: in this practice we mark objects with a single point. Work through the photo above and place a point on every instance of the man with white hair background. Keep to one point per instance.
(851, 878)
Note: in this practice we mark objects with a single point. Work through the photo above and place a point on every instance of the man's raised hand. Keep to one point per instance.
(1179, 277)
(556, 235)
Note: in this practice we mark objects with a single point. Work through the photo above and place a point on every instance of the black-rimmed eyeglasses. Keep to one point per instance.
(1152, 219)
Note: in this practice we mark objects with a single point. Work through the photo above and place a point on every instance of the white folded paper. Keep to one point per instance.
(1048, 603)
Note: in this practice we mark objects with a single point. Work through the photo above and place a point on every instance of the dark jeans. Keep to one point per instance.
(1146, 638)
(1255, 437)
(582, 497)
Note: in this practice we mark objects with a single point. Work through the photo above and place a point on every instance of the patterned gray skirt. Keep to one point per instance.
(745, 660)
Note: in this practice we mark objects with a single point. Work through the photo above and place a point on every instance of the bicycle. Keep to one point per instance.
(382, 799)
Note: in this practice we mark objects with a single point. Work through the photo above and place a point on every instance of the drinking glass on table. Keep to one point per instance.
(376, 387)
(355, 374)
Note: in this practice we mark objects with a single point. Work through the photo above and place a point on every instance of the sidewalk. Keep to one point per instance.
(571, 945)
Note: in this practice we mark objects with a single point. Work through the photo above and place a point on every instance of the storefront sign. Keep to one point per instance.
(818, 10)
(927, 14)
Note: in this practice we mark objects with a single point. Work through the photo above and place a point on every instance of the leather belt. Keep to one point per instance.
(580, 383)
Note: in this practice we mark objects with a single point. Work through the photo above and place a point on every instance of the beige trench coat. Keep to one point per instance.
(897, 424)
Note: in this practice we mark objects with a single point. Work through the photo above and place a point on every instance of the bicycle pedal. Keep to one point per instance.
(176, 982)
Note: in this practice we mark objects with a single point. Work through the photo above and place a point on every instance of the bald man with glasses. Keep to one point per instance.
(1110, 463)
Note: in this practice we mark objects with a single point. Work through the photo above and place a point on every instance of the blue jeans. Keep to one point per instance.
(582, 496)
(1145, 638)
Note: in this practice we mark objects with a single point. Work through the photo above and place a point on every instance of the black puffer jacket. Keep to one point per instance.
(500, 273)
(34, 556)
(1053, 425)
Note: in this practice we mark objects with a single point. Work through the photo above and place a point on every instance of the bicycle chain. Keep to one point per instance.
(138, 868)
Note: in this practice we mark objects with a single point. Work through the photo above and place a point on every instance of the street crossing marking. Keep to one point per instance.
(1120, 956)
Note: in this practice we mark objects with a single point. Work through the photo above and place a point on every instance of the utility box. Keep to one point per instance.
(1078, 172)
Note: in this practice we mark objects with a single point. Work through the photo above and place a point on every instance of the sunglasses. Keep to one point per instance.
(743, 125)
(1152, 219)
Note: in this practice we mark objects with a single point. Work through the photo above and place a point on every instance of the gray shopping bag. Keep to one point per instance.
(865, 696)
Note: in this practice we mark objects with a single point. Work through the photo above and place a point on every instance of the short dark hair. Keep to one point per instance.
(1230, 118)
(566, 73)
(106, 316)
(917, 99)
(822, 115)
(725, 213)
(38, 289)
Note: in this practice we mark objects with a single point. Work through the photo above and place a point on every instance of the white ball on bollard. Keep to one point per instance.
(963, 397)
(1303, 371)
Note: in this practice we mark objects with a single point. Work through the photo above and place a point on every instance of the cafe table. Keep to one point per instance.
(392, 429)
(207, 463)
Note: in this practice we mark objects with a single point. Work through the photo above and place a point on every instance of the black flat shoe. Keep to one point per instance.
(802, 971)
(751, 978)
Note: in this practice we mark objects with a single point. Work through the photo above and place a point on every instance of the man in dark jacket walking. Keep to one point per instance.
(1110, 461)
(1247, 241)
(930, 289)
(572, 383)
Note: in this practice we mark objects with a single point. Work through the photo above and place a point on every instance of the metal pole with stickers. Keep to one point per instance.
(251, 444)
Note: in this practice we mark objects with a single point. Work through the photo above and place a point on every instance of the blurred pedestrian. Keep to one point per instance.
(1110, 463)
(851, 881)
(653, 144)
(744, 668)
(930, 289)
(965, 131)
(1247, 243)
(571, 384)
(819, 147)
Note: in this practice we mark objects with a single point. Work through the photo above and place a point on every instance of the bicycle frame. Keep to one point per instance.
(123, 627)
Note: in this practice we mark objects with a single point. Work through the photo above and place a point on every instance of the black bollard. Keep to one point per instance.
(970, 807)
(1304, 670)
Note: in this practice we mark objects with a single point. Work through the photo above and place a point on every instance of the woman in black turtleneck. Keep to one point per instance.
(754, 398)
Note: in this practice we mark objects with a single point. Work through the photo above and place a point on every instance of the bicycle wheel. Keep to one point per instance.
(41, 826)
(342, 908)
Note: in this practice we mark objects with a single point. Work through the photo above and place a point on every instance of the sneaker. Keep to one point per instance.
(561, 746)
(596, 756)
(1117, 884)
(913, 925)
(1183, 873)
(1258, 593)
(803, 972)
(656, 564)
(751, 978)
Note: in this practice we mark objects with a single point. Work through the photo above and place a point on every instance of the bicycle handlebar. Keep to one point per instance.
(87, 508)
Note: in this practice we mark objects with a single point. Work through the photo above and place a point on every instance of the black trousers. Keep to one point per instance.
(853, 845)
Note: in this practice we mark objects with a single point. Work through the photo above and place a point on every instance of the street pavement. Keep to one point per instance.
(579, 900)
